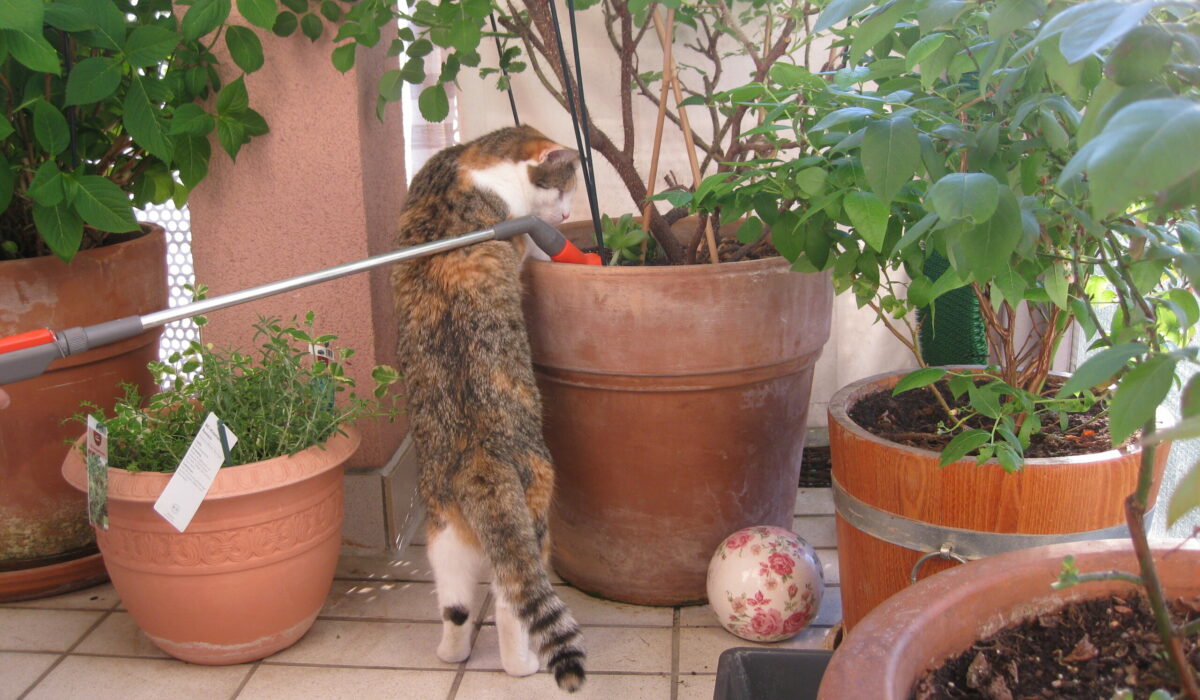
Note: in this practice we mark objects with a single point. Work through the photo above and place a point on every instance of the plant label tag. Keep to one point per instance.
(97, 471)
(193, 478)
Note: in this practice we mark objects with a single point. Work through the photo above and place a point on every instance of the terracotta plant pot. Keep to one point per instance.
(249, 575)
(941, 616)
(46, 546)
(675, 402)
(895, 504)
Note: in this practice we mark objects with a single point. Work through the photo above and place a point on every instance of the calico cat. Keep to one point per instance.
(473, 405)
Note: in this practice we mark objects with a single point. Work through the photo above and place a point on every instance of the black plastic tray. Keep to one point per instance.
(755, 673)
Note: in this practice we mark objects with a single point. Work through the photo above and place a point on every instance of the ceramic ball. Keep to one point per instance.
(765, 583)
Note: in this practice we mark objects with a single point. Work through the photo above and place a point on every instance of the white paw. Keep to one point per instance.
(453, 651)
(524, 665)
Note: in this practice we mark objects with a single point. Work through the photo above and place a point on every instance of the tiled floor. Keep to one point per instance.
(376, 638)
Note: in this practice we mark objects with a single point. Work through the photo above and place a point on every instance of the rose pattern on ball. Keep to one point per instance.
(777, 605)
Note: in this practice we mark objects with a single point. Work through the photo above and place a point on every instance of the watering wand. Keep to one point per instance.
(27, 355)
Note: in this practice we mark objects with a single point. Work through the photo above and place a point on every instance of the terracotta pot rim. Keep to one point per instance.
(148, 228)
(839, 406)
(696, 269)
(890, 636)
(232, 481)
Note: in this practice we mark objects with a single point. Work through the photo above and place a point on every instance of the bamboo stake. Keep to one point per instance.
(665, 40)
(658, 126)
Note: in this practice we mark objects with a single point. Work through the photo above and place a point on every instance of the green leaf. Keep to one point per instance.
(25, 15)
(890, 153)
(1011, 15)
(233, 98)
(311, 27)
(1055, 283)
(839, 10)
(917, 379)
(989, 246)
(204, 17)
(811, 181)
(61, 229)
(869, 216)
(1104, 24)
(343, 56)
(32, 50)
(231, 134)
(244, 47)
(103, 205)
(285, 24)
(7, 180)
(925, 46)
(47, 187)
(962, 445)
(50, 128)
(260, 13)
(1099, 369)
(93, 80)
(144, 124)
(192, 154)
(149, 45)
(1186, 496)
(971, 197)
(750, 230)
(413, 72)
(1189, 401)
(878, 25)
(190, 119)
(69, 18)
(1145, 148)
(1139, 395)
(434, 104)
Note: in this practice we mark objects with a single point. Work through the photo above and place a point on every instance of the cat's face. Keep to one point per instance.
(532, 174)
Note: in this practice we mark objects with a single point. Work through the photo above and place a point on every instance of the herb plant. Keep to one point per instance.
(279, 401)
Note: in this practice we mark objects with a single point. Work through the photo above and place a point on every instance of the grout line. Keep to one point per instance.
(242, 686)
(63, 655)
(675, 634)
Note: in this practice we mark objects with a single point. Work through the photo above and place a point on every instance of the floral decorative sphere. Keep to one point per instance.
(765, 583)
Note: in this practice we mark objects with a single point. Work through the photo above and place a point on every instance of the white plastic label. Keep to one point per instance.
(181, 498)
(97, 472)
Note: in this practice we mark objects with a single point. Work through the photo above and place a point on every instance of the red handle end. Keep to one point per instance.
(571, 254)
(28, 339)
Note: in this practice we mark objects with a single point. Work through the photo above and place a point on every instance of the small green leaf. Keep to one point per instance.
(1099, 369)
(331, 11)
(285, 24)
(917, 379)
(149, 44)
(47, 187)
(1139, 395)
(343, 56)
(231, 135)
(750, 230)
(204, 17)
(244, 47)
(434, 104)
(192, 154)
(971, 197)
(891, 154)
(260, 13)
(103, 205)
(1186, 496)
(989, 246)
(190, 119)
(311, 27)
(61, 229)
(7, 180)
(32, 50)
(1011, 15)
(93, 80)
(839, 10)
(1055, 283)
(50, 128)
(233, 98)
(962, 445)
(143, 122)
(869, 216)
(25, 15)
(811, 181)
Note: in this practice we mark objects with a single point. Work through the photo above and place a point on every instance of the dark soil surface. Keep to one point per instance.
(814, 467)
(1090, 649)
(912, 419)
(728, 250)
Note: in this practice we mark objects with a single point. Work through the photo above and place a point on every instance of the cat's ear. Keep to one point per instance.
(559, 155)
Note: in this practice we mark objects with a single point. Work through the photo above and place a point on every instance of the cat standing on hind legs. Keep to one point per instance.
(473, 404)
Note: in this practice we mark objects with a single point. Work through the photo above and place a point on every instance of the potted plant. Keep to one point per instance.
(247, 576)
(989, 134)
(109, 107)
(676, 394)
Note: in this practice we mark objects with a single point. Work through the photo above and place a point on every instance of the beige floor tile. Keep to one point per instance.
(693, 687)
(102, 597)
(43, 630)
(814, 501)
(830, 612)
(271, 682)
(589, 610)
(701, 647)
(378, 644)
(409, 565)
(104, 678)
(613, 649)
(500, 686)
(119, 635)
(829, 564)
(18, 671)
(817, 530)
(394, 600)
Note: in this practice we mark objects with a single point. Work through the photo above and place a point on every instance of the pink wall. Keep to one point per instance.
(324, 187)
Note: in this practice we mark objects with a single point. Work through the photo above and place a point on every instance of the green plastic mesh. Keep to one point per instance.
(952, 332)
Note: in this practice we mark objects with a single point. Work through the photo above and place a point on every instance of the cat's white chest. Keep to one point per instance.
(510, 182)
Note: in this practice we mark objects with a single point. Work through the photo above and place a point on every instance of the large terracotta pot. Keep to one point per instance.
(249, 575)
(896, 505)
(675, 403)
(941, 616)
(46, 546)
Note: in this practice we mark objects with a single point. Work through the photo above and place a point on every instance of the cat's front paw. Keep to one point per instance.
(522, 665)
(453, 651)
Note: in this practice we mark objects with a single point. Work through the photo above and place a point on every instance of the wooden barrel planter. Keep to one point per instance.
(675, 401)
(896, 506)
(46, 544)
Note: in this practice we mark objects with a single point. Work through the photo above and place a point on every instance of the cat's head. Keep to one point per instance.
(531, 173)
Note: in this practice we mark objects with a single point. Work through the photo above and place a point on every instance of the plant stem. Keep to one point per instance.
(1135, 511)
